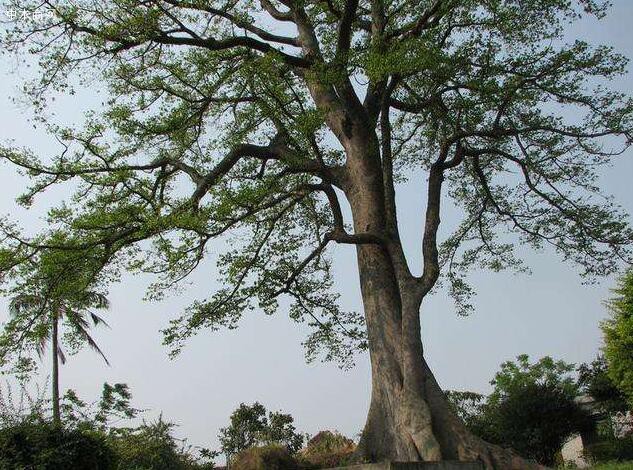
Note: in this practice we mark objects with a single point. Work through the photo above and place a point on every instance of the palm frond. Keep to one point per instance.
(25, 302)
(76, 318)
(96, 300)
(97, 320)
(41, 345)
(91, 342)
(61, 355)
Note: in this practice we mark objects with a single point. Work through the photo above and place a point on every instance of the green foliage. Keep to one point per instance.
(151, 446)
(25, 408)
(269, 457)
(516, 376)
(610, 448)
(468, 406)
(614, 466)
(42, 445)
(594, 381)
(251, 426)
(532, 408)
(535, 420)
(113, 407)
(52, 287)
(618, 336)
(328, 449)
(87, 439)
(215, 126)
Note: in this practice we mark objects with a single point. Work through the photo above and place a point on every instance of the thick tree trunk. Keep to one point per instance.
(55, 373)
(399, 423)
(409, 418)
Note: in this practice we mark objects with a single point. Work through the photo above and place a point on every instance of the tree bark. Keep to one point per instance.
(399, 423)
(55, 373)
(409, 417)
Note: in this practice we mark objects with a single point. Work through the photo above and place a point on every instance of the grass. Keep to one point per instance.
(614, 466)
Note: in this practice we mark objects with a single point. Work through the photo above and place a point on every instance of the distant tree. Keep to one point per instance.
(52, 313)
(516, 375)
(618, 336)
(532, 408)
(535, 419)
(281, 430)
(250, 426)
(594, 380)
(50, 296)
(259, 121)
(248, 422)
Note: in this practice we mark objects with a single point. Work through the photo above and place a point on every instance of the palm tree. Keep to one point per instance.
(51, 312)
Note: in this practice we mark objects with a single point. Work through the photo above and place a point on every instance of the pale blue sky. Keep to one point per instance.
(548, 313)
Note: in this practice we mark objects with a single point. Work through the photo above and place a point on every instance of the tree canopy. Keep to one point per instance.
(594, 380)
(618, 336)
(251, 426)
(235, 120)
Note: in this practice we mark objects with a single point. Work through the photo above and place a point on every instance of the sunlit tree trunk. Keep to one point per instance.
(399, 423)
(409, 418)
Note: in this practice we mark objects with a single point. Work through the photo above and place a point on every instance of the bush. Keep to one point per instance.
(271, 457)
(610, 447)
(86, 440)
(328, 449)
(41, 445)
(152, 447)
(535, 420)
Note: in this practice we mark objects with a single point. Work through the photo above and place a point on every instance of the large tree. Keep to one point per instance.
(253, 120)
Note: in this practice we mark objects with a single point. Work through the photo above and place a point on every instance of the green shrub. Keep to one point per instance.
(271, 457)
(254, 426)
(328, 449)
(86, 440)
(611, 449)
(614, 466)
(152, 447)
(40, 445)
